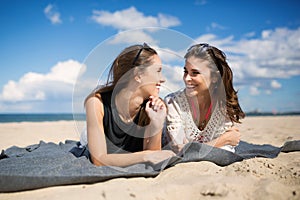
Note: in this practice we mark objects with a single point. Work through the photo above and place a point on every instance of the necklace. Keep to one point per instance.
(202, 124)
(124, 111)
(127, 120)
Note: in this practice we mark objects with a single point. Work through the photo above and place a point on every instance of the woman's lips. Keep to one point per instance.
(158, 86)
(190, 86)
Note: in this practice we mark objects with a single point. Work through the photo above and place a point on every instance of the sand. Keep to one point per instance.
(257, 178)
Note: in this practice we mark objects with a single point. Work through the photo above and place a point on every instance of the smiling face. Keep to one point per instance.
(197, 76)
(152, 77)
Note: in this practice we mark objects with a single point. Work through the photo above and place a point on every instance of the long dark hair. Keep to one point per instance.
(130, 57)
(217, 60)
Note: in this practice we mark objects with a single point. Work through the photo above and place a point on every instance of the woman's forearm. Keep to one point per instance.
(153, 143)
(123, 160)
(230, 137)
(152, 137)
(218, 142)
(120, 160)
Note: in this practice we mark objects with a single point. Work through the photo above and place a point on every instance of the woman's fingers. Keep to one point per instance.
(158, 156)
(156, 103)
(233, 135)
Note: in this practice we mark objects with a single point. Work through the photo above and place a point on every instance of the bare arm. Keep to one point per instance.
(156, 110)
(175, 126)
(97, 141)
(230, 137)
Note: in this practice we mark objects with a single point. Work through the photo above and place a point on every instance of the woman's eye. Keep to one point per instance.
(196, 73)
(185, 71)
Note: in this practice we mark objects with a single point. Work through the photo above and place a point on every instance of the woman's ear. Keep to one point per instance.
(214, 79)
(137, 78)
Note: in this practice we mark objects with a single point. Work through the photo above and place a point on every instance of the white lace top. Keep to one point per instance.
(180, 125)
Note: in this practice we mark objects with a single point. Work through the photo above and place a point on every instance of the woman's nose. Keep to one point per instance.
(162, 78)
(187, 77)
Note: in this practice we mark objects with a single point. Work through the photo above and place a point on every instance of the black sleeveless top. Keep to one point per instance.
(120, 136)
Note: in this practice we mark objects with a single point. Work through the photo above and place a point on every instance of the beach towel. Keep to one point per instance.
(49, 164)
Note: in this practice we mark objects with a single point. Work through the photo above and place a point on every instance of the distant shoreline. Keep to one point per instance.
(273, 114)
(43, 117)
(40, 117)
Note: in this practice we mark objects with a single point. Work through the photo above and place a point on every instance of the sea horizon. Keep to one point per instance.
(40, 117)
(43, 117)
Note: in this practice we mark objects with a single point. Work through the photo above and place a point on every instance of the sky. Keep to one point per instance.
(51, 50)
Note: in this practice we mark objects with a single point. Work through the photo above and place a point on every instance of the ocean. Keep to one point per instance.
(5, 118)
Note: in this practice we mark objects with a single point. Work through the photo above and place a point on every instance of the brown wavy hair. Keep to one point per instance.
(130, 57)
(217, 60)
(139, 56)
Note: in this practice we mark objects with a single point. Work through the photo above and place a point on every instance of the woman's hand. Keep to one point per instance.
(232, 136)
(178, 147)
(155, 157)
(157, 111)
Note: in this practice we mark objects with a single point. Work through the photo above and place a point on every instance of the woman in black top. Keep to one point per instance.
(125, 117)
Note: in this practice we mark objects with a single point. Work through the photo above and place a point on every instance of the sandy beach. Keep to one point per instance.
(257, 178)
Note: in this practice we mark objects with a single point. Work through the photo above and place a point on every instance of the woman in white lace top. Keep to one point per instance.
(207, 108)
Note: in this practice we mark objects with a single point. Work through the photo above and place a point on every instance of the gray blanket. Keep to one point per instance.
(48, 164)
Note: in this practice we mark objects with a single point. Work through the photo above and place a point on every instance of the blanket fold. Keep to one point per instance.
(48, 164)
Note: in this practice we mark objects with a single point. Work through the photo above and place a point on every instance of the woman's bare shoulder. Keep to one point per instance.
(94, 103)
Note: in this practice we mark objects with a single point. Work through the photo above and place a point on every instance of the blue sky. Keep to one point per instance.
(45, 44)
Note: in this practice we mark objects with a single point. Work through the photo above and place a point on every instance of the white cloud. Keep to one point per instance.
(214, 40)
(274, 55)
(168, 55)
(275, 84)
(268, 92)
(254, 91)
(131, 18)
(167, 20)
(260, 58)
(214, 26)
(174, 81)
(200, 2)
(250, 34)
(56, 84)
(277, 50)
(52, 14)
(133, 37)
